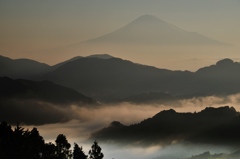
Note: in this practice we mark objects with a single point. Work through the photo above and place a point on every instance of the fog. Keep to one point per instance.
(86, 120)
(78, 132)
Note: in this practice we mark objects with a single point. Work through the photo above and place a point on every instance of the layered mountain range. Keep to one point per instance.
(110, 79)
(52, 94)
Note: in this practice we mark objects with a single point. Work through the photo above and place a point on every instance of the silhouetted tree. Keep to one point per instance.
(25, 144)
(6, 140)
(78, 152)
(95, 152)
(62, 147)
(49, 151)
(20, 143)
(34, 144)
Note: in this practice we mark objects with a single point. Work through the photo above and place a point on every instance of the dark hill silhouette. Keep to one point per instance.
(30, 69)
(211, 125)
(225, 66)
(40, 90)
(21, 68)
(221, 78)
(111, 79)
(148, 29)
(54, 67)
(114, 78)
(41, 102)
(101, 56)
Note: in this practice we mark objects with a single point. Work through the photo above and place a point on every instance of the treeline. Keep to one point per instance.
(18, 143)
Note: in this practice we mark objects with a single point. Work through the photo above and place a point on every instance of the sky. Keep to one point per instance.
(28, 26)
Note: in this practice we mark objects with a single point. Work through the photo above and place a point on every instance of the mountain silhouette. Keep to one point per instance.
(222, 77)
(40, 90)
(62, 63)
(148, 29)
(101, 56)
(38, 102)
(151, 41)
(210, 126)
(110, 79)
(115, 79)
(21, 68)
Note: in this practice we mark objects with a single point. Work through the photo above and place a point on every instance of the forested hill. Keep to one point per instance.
(210, 126)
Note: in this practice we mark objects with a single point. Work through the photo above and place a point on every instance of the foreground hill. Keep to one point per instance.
(34, 102)
(210, 126)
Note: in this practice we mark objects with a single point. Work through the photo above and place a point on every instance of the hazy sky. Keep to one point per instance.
(28, 25)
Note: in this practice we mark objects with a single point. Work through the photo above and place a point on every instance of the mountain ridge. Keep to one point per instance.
(113, 79)
(209, 126)
(38, 102)
(118, 79)
(21, 68)
(40, 90)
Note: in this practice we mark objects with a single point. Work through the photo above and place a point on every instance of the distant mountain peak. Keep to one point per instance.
(147, 17)
(170, 112)
(116, 124)
(148, 29)
(100, 56)
(225, 62)
(221, 111)
(151, 23)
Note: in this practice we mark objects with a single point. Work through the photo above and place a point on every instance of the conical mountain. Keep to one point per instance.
(148, 29)
(152, 41)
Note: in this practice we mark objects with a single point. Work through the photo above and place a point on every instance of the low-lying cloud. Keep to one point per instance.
(39, 112)
(77, 123)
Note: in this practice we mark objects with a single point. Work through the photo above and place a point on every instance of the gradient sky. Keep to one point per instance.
(27, 26)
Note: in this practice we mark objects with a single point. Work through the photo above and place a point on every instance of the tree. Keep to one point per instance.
(6, 140)
(78, 152)
(20, 143)
(34, 144)
(95, 152)
(62, 147)
(49, 151)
